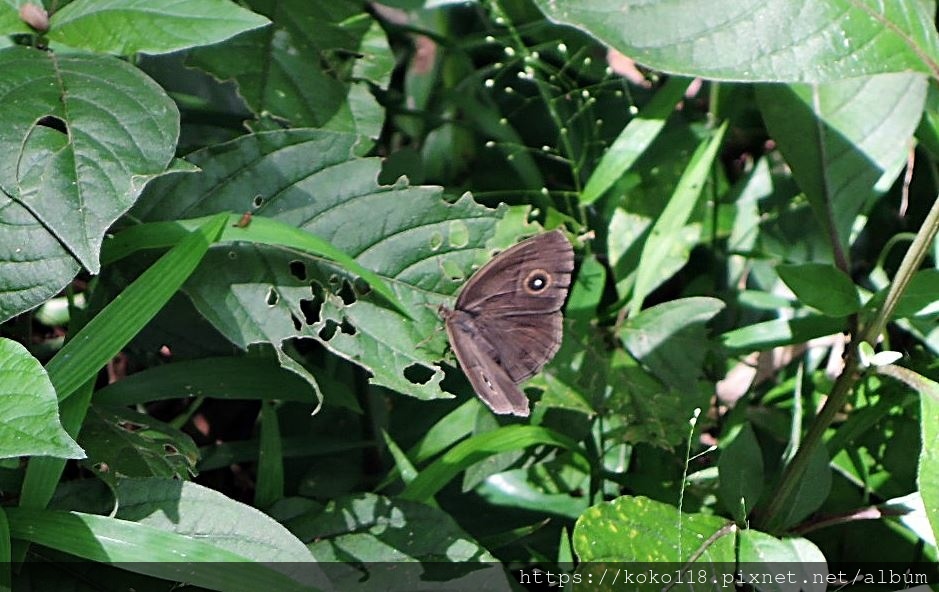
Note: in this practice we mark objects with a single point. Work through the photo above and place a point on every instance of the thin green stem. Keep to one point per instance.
(845, 382)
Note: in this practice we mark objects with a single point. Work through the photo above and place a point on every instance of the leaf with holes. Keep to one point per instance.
(420, 245)
(123, 443)
(82, 136)
(300, 70)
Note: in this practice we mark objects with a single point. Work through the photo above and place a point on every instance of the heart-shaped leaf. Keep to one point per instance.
(82, 135)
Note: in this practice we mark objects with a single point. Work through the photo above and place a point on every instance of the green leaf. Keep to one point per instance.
(297, 70)
(919, 298)
(927, 473)
(124, 27)
(769, 334)
(478, 448)
(258, 230)
(822, 286)
(638, 529)
(746, 40)
(106, 334)
(367, 542)
(633, 140)
(270, 474)
(666, 232)
(812, 490)
(10, 21)
(774, 562)
(60, 189)
(587, 290)
(653, 412)
(740, 467)
(235, 377)
(279, 234)
(531, 490)
(146, 549)
(29, 410)
(846, 141)
(420, 245)
(192, 510)
(671, 339)
(43, 473)
(123, 443)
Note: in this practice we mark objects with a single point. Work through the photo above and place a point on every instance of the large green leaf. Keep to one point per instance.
(420, 245)
(161, 552)
(124, 27)
(762, 40)
(195, 511)
(640, 529)
(777, 562)
(301, 69)
(671, 339)
(823, 286)
(741, 473)
(394, 541)
(29, 410)
(845, 141)
(82, 135)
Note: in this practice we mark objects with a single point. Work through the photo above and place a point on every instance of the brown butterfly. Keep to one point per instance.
(506, 324)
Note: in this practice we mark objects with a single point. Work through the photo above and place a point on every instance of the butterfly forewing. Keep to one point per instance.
(499, 287)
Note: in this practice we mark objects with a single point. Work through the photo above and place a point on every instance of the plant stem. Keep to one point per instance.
(850, 375)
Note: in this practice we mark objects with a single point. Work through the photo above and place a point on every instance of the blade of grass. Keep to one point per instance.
(242, 377)
(452, 427)
(673, 218)
(106, 334)
(480, 447)
(147, 550)
(270, 483)
(634, 139)
(6, 575)
(43, 473)
(260, 230)
(403, 466)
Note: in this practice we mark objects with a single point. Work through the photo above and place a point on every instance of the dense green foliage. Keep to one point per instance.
(226, 230)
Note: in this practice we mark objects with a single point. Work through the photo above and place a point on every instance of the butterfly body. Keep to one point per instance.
(506, 324)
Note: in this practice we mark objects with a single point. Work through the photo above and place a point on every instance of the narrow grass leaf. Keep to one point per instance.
(673, 218)
(633, 141)
(478, 448)
(270, 484)
(145, 549)
(104, 336)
